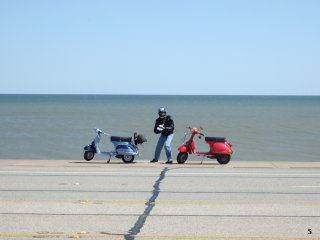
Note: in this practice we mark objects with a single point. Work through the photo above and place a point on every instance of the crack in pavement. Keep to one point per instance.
(149, 206)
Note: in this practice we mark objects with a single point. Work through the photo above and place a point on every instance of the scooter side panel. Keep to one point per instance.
(126, 149)
(220, 148)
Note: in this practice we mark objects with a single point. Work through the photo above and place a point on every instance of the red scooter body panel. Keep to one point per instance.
(220, 148)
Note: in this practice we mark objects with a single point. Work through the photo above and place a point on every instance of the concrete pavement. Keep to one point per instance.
(95, 200)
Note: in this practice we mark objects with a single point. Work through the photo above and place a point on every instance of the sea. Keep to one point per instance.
(260, 128)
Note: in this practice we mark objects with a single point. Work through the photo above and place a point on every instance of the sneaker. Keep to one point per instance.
(168, 162)
(153, 161)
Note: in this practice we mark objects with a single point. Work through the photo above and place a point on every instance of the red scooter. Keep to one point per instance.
(220, 149)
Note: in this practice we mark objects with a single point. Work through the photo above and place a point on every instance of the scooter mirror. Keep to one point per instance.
(201, 128)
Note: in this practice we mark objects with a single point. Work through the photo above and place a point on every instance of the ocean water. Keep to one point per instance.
(261, 128)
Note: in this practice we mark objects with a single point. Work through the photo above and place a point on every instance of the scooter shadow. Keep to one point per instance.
(195, 163)
(201, 164)
(103, 163)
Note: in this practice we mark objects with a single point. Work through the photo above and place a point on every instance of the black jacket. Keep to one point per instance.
(168, 125)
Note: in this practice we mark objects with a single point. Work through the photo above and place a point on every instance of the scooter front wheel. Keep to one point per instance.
(182, 157)
(127, 158)
(88, 155)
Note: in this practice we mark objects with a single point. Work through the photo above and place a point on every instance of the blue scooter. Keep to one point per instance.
(124, 148)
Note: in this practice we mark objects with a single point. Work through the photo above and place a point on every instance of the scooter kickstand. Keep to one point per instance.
(202, 160)
(109, 159)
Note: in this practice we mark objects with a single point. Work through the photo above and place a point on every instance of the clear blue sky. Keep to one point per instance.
(160, 47)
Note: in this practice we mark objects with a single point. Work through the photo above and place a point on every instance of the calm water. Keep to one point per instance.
(261, 128)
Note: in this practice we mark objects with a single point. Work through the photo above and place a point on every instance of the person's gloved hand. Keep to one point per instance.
(160, 128)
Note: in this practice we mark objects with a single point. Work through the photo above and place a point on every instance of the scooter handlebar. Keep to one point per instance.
(97, 130)
(195, 130)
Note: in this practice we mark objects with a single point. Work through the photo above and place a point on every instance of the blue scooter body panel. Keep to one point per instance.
(125, 148)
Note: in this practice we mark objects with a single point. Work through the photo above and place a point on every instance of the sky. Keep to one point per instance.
(200, 47)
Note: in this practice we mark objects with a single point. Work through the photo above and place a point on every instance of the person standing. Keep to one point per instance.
(164, 126)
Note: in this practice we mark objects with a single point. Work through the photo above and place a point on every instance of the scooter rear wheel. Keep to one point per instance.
(182, 157)
(223, 158)
(127, 158)
(88, 155)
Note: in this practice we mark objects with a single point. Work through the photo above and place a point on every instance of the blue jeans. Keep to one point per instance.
(166, 141)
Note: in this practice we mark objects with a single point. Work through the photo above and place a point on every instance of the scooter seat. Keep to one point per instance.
(120, 139)
(215, 139)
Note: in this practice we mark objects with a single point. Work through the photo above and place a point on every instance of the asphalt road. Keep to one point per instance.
(158, 202)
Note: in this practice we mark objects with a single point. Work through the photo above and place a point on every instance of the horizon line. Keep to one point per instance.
(132, 94)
